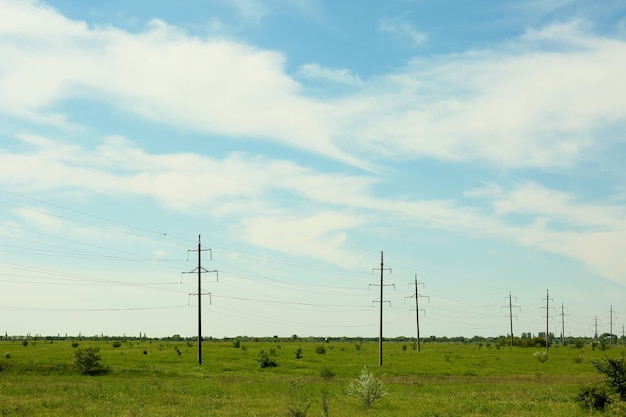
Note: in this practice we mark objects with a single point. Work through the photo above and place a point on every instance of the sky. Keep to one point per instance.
(477, 146)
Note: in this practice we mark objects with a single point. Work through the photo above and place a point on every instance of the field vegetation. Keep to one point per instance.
(288, 377)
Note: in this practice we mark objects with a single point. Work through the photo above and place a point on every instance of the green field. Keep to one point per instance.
(158, 378)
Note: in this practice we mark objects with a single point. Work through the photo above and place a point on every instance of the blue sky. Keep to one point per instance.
(479, 146)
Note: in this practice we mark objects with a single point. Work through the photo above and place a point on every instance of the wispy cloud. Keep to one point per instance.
(400, 26)
(340, 76)
(318, 213)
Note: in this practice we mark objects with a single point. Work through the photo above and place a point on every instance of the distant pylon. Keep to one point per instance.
(200, 270)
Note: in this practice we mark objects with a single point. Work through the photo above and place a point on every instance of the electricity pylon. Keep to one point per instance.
(417, 296)
(200, 270)
(381, 301)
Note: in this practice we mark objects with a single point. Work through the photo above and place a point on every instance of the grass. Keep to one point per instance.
(154, 378)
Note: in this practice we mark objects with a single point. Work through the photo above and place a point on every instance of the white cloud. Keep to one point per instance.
(210, 85)
(534, 101)
(518, 106)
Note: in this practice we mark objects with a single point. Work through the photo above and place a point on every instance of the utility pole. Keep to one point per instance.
(611, 327)
(417, 296)
(511, 314)
(200, 270)
(547, 307)
(562, 323)
(380, 337)
(595, 337)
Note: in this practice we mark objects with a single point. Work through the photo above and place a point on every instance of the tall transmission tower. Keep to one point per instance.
(381, 301)
(510, 316)
(417, 296)
(547, 307)
(200, 270)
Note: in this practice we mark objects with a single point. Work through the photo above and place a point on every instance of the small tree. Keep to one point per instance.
(87, 360)
(265, 361)
(366, 389)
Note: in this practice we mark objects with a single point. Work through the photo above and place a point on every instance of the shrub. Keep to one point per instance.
(265, 361)
(299, 353)
(611, 392)
(74, 344)
(236, 343)
(24, 342)
(117, 344)
(615, 371)
(541, 356)
(366, 389)
(7, 355)
(299, 403)
(593, 396)
(320, 350)
(87, 360)
(327, 373)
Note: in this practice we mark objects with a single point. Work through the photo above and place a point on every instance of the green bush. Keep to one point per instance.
(117, 344)
(299, 353)
(299, 402)
(366, 389)
(87, 360)
(615, 371)
(611, 392)
(265, 361)
(327, 373)
(320, 350)
(541, 356)
(593, 396)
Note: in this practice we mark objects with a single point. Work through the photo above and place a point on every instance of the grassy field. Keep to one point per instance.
(155, 378)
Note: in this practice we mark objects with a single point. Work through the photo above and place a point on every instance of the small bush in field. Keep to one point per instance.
(327, 373)
(366, 389)
(299, 402)
(299, 353)
(117, 344)
(87, 360)
(265, 361)
(541, 356)
(320, 350)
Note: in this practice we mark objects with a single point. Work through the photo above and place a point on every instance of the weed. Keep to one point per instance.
(320, 350)
(299, 353)
(116, 344)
